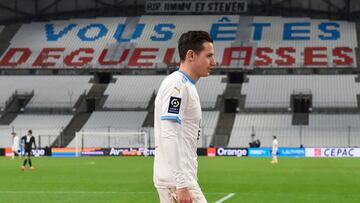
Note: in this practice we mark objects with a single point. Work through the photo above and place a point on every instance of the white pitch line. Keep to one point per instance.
(225, 198)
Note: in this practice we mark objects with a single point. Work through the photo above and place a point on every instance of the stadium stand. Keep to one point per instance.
(324, 130)
(337, 130)
(49, 91)
(115, 121)
(48, 126)
(183, 24)
(132, 91)
(84, 75)
(112, 121)
(35, 32)
(265, 126)
(273, 91)
(209, 89)
(150, 41)
(208, 123)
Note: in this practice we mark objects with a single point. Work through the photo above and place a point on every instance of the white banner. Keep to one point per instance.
(332, 152)
(163, 6)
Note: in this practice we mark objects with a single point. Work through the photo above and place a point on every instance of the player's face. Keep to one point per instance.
(205, 60)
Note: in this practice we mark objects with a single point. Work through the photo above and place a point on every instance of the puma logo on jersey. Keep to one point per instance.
(177, 89)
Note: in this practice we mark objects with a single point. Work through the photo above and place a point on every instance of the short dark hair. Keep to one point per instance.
(192, 40)
(30, 131)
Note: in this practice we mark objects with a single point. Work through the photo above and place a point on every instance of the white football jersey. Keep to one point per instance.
(275, 145)
(177, 129)
(15, 145)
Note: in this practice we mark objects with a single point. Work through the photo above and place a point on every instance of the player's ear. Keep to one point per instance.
(190, 54)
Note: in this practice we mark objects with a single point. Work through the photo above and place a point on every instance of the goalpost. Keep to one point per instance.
(111, 140)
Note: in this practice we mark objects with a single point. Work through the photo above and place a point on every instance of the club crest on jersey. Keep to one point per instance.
(184, 79)
(174, 105)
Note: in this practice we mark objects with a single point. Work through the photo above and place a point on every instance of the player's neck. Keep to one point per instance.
(185, 68)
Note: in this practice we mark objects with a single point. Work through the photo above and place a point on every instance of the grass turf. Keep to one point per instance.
(129, 179)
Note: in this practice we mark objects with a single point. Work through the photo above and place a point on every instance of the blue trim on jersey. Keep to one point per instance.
(188, 77)
(176, 118)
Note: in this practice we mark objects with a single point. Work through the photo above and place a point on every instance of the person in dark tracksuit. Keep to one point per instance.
(28, 141)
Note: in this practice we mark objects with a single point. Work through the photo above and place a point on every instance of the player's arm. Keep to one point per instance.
(33, 141)
(171, 133)
(174, 102)
(172, 146)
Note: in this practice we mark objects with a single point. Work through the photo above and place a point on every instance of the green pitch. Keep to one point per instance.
(129, 179)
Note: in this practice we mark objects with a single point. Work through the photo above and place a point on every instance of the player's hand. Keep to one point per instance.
(183, 195)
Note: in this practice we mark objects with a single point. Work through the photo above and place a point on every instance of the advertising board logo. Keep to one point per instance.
(317, 152)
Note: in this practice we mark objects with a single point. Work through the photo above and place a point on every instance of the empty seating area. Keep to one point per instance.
(5, 136)
(324, 130)
(265, 126)
(132, 91)
(208, 127)
(44, 127)
(340, 130)
(49, 91)
(274, 91)
(115, 121)
(112, 121)
(208, 89)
